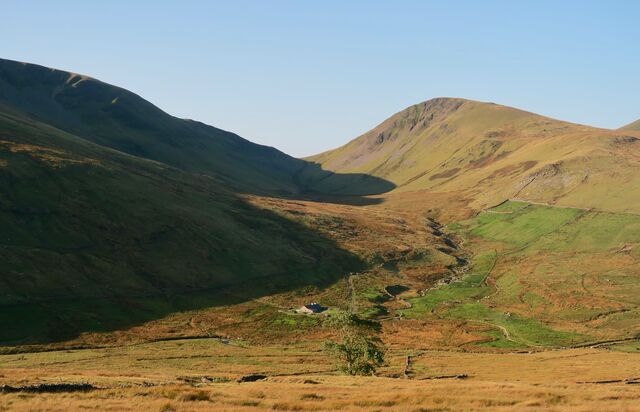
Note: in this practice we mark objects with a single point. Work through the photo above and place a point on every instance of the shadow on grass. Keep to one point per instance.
(321, 185)
(135, 285)
(103, 247)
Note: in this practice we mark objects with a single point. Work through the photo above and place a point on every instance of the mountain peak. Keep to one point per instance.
(443, 101)
(491, 151)
(426, 113)
(423, 114)
(396, 136)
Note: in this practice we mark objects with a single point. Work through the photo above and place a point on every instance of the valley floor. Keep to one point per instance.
(519, 307)
(201, 374)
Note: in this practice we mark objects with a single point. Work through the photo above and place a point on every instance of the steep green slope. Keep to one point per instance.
(486, 153)
(116, 118)
(93, 239)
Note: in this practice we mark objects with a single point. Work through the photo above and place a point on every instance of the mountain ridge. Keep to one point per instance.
(117, 118)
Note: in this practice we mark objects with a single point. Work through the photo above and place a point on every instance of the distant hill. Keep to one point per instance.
(487, 153)
(632, 126)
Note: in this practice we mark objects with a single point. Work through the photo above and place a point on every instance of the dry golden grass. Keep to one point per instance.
(53, 157)
(339, 394)
(152, 377)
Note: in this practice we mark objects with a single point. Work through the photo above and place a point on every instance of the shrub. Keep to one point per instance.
(360, 350)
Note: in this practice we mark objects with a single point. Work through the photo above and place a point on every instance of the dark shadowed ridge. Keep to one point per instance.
(116, 118)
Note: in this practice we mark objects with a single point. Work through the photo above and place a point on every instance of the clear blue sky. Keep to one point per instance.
(306, 76)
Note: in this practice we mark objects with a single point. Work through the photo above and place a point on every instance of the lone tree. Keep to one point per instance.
(360, 350)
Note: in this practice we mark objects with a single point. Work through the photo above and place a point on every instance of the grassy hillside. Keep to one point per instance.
(546, 276)
(632, 126)
(486, 153)
(116, 118)
(94, 239)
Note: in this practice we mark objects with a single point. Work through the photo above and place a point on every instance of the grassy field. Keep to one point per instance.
(201, 374)
(519, 224)
(466, 300)
(548, 277)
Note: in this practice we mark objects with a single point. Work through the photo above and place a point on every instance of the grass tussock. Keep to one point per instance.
(311, 397)
(283, 406)
(196, 396)
(167, 407)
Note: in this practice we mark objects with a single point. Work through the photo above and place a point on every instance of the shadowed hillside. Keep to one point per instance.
(116, 118)
(487, 153)
(93, 239)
